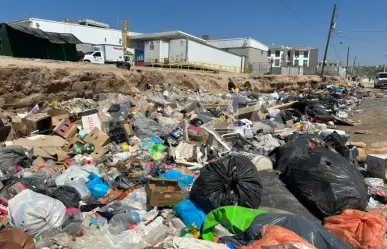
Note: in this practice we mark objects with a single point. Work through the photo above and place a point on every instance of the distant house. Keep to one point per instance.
(25, 42)
(295, 56)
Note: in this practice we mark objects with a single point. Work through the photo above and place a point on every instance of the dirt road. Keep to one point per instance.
(372, 121)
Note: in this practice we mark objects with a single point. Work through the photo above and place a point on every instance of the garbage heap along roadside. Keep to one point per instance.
(183, 168)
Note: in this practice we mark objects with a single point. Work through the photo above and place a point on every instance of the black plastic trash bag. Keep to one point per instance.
(230, 180)
(324, 181)
(310, 231)
(290, 114)
(12, 156)
(41, 182)
(276, 195)
(69, 196)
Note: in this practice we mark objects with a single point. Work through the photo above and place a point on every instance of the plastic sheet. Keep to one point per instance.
(190, 213)
(190, 243)
(183, 180)
(236, 219)
(310, 231)
(273, 235)
(122, 222)
(359, 229)
(230, 180)
(276, 195)
(137, 200)
(325, 182)
(69, 196)
(35, 213)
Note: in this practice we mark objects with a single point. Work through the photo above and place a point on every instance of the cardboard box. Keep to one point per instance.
(66, 129)
(40, 122)
(19, 126)
(97, 138)
(163, 193)
(250, 112)
(377, 165)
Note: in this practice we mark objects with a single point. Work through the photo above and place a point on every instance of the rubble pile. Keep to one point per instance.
(184, 168)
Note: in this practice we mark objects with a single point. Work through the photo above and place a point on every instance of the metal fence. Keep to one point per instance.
(260, 68)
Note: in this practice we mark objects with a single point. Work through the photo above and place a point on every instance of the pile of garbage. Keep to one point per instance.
(200, 170)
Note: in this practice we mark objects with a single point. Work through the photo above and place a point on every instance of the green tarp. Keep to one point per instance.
(235, 218)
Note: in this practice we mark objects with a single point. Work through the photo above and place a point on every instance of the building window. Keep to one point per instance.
(261, 52)
(297, 53)
(277, 53)
(269, 53)
(276, 62)
(296, 63)
(306, 54)
(305, 63)
(289, 54)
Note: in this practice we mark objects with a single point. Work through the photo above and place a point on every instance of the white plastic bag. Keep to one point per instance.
(35, 213)
(74, 174)
(136, 200)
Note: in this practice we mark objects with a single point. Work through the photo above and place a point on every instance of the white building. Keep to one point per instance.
(86, 32)
(177, 46)
(281, 56)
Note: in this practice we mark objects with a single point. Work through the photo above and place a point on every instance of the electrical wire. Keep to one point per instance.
(299, 18)
(334, 48)
(362, 40)
(363, 31)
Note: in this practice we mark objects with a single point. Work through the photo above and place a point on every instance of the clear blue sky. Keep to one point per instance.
(268, 21)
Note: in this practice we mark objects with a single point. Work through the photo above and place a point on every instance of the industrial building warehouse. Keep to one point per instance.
(166, 48)
(25, 42)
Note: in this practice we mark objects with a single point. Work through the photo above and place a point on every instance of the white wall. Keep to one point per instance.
(238, 43)
(164, 53)
(300, 58)
(201, 53)
(86, 34)
(178, 49)
(274, 57)
(152, 49)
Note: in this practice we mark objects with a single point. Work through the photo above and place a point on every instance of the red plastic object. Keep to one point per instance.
(273, 235)
(358, 229)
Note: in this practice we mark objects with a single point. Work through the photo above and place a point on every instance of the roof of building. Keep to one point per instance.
(59, 38)
(290, 47)
(166, 35)
(67, 23)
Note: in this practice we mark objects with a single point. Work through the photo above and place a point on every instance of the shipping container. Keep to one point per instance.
(178, 50)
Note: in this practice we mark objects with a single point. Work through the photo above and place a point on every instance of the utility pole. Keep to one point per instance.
(346, 69)
(332, 25)
(357, 71)
(353, 67)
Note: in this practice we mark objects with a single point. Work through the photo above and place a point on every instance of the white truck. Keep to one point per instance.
(108, 54)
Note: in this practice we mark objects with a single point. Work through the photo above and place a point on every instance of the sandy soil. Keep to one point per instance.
(371, 118)
(23, 82)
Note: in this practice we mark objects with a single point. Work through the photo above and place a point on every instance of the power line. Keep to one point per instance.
(334, 48)
(299, 18)
(362, 40)
(363, 31)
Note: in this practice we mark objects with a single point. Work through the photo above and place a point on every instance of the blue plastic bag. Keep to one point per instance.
(190, 213)
(183, 180)
(96, 186)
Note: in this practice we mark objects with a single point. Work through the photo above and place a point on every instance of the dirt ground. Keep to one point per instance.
(24, 82)
(371, 120)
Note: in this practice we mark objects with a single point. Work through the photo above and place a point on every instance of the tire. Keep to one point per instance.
(87, 61)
